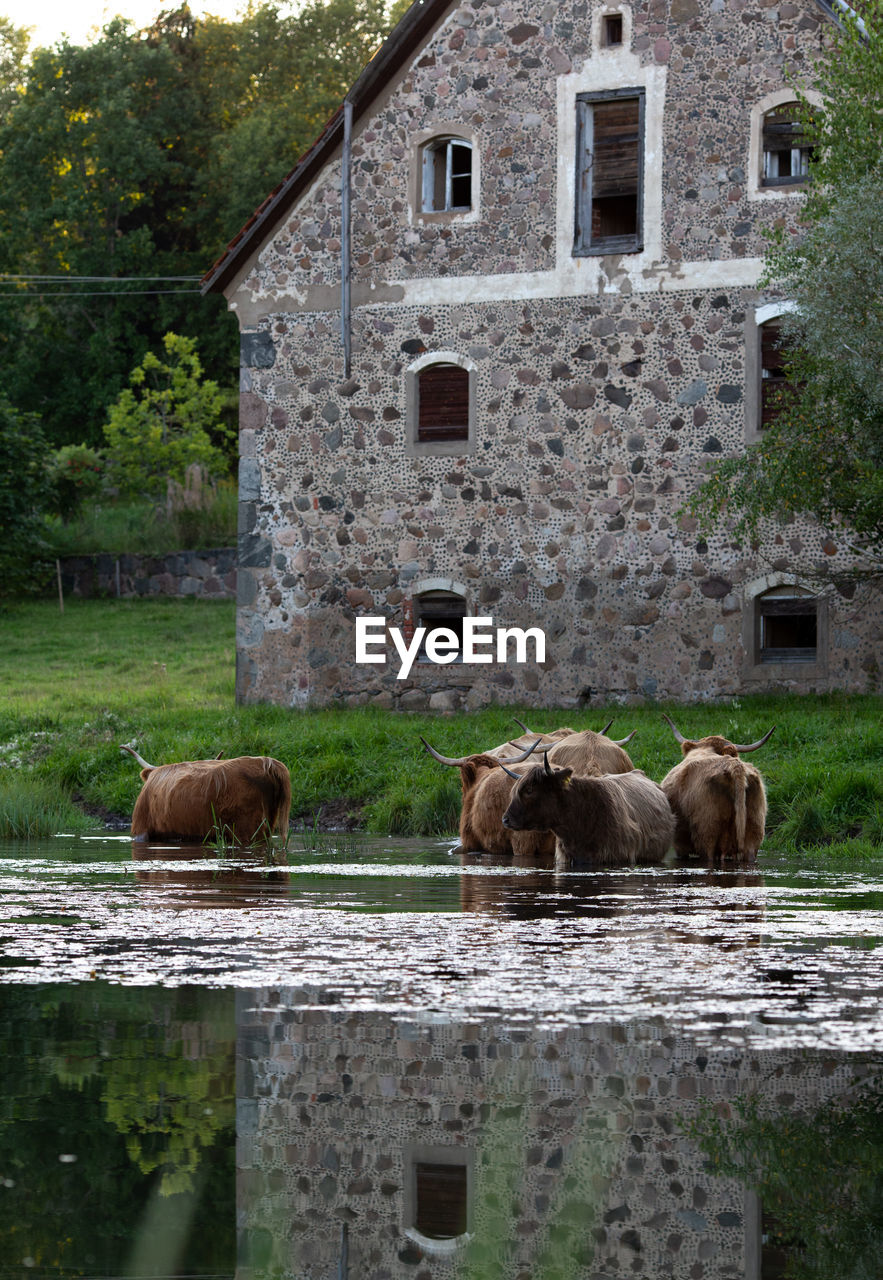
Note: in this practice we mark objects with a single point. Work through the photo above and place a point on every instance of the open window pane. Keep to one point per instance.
(786, 153)
(610, 173)
(443, 403)
(774, 384)
(447, 176)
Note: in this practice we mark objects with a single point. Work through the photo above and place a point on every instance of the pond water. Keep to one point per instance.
(373, 1059)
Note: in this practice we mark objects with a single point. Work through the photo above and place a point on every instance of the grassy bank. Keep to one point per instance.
(159, 673)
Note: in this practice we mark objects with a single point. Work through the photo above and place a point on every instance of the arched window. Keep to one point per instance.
(786, 152)
(440, 395)
(438, 1196)
(446, 176)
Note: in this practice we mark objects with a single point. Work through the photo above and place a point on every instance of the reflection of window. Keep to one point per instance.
(778, 1249)
(441, 1200)
(786, 625)
(610, 172)
(438, 1194)
(786, 153)
(442, 609)
(442, 403)
(447, 176)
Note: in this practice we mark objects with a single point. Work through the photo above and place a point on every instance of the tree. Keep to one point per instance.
(14, 42)
(824, 453)
(24, 495)
(169, 419)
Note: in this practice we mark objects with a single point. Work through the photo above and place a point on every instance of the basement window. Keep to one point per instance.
(446, 176)
(610, 172)
(438, 1195)
(786, 626)
(441, 609)
(786, 152)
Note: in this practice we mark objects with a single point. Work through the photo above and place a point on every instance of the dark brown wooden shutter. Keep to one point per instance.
(442, 1205)
(443, 403)
(615, 148)
(774, 381)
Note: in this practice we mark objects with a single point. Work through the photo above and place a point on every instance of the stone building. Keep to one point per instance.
(378, 1146)
(494, 326)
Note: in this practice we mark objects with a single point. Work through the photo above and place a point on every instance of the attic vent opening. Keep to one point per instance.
(612, 29)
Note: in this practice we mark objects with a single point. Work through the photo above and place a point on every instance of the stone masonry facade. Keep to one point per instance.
(575, 1142)
(601, 385)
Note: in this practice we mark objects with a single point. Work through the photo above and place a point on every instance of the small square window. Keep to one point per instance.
(787, 626)
(612, 28)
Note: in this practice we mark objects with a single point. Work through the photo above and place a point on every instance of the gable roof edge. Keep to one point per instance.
(402, 42)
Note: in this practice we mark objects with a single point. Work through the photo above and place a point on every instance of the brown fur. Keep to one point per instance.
(613, 820)
(243, 798)
(486, 789)
(718, 800)
(506, 750)
(586, 751)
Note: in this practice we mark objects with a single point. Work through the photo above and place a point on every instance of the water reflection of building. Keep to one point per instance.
(376, 1148)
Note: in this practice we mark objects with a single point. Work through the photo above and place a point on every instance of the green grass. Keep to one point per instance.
(159, 673)
(146, 528)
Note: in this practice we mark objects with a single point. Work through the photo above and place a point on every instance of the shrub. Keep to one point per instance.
(76, 473)
(24, 497)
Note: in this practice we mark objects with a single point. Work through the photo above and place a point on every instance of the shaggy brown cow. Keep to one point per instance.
(718, 800)
(612, 820)
(242, 800)
(485, 789)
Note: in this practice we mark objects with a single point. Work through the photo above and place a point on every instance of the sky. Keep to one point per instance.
(77, 19)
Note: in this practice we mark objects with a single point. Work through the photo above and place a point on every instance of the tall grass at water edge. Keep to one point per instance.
(159, 673)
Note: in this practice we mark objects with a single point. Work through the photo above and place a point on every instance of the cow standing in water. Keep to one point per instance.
(244, 799)
(609, 820)
(718, 799)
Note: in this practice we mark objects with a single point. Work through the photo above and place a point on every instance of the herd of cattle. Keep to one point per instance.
(586, 803)
(589, 805)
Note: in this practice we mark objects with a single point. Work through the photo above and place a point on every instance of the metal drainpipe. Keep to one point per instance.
(343, 1268)
(345, 236)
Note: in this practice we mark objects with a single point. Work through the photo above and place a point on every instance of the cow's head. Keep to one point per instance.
(536, 799)
(714, 742)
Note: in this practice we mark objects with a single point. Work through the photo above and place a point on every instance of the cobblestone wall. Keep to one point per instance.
(580, 1162)
(211, 574)
(603, 386)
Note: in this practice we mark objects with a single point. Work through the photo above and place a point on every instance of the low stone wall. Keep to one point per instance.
(185, 573)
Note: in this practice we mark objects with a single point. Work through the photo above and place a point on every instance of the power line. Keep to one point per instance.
(8, 275)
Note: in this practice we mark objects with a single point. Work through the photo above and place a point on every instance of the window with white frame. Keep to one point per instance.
(440, 396)
(610, 172)
(446, 176)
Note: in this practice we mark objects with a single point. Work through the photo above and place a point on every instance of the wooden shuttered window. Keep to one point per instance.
(610, 172)
(786, 152)
(442, 1200)
(774, 384)
(442, 403)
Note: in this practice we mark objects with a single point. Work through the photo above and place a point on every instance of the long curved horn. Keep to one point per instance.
(607, 726)
(622, 742)
(516, 776)
(458, 761)
(547, 768)
(680, 737)
(752, 746)
(140, 759)
(522, 726)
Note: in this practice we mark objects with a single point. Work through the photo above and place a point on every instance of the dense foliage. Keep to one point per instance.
(823, 454)
(25, 493)
(126, 166)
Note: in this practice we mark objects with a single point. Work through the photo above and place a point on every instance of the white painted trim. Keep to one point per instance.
(770, 310)
(441, 357)
(439, 584)
(754, 171)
